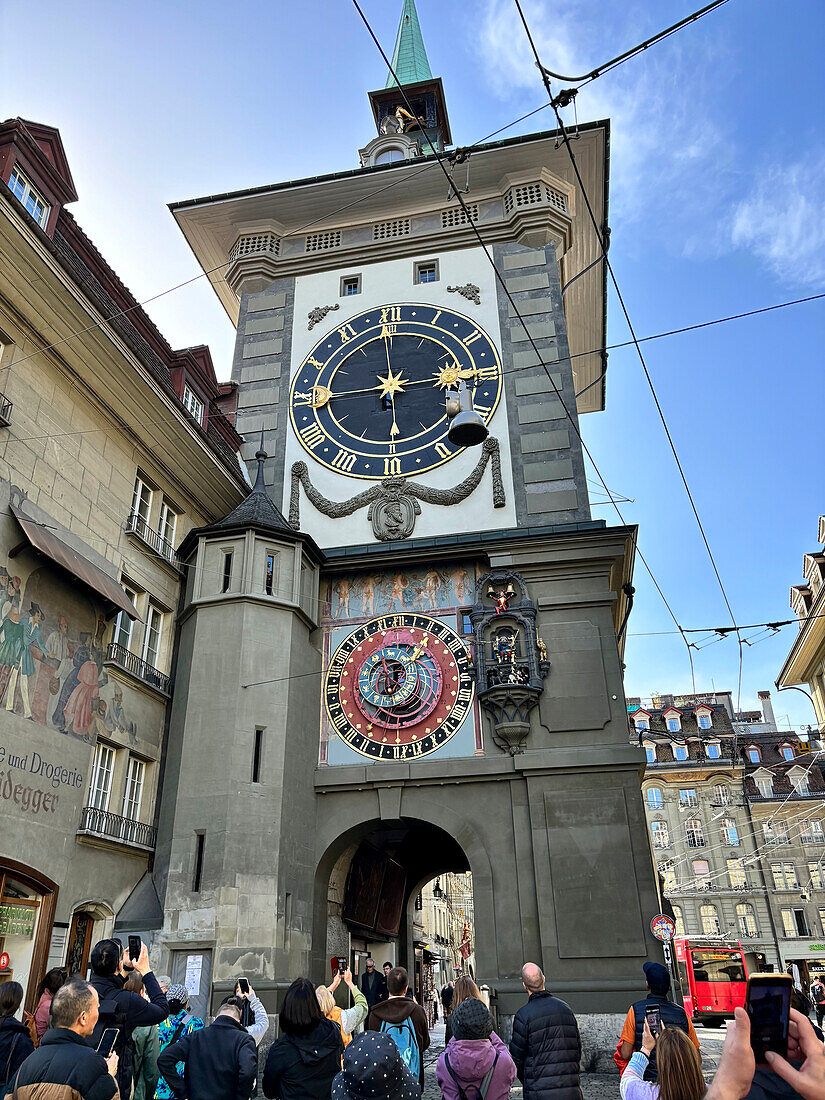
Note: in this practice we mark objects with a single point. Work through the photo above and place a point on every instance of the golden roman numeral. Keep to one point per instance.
(312, 435)
(392, 467)
(437, 315)
(390, 313)
(475, 335)
(388, 330)
(346, 333)
(483, 410)
(344, 460)
(339, 721)
(486, 374)
(443, 450)
(315, 363)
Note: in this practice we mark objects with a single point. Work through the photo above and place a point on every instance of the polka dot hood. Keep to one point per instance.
(373, 1070)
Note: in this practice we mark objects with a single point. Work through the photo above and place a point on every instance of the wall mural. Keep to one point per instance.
(354, 605)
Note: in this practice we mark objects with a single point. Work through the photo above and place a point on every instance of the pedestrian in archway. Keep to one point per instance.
(546, 1046)
(373, 984)
(475, 1056)
(404, 1020)
(465, 987)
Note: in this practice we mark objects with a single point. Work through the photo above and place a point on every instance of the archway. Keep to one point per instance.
(367, 888)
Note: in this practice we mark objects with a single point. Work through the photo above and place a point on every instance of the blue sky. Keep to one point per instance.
(717, 199)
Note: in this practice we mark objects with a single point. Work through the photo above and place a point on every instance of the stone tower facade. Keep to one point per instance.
(443, 691)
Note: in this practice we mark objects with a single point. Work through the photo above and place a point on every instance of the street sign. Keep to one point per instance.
(663, 927)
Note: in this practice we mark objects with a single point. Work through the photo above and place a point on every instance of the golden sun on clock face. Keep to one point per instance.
(369, 400)
(399, 687)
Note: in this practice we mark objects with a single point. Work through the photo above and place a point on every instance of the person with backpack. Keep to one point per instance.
(657, 978)
(65, 1064)
(475, 1064)
(373, 1068)
(119, 1007)
(15, 1042)
(403, 1020)
(145, 1048)
(176, 1025)
(303, 1061)
(219, 1063)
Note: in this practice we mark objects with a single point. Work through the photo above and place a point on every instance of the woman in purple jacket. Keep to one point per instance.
(475, 1057)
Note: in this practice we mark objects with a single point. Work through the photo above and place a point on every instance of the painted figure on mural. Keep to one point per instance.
(80, 656)
(343, 590)
(32, 636)
(462, 586)
(11, 649)
(368, 586)
(12, 593)
(82, 703)
(397, 585)
(432, 586)
(115, 717)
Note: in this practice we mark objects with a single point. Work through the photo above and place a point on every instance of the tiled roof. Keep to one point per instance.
(720, 720)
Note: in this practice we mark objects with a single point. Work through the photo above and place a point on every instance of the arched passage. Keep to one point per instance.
(368, 878)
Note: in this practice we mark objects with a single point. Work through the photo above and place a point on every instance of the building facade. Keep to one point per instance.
(805, 664)
(734, 809)
(448, 928)
(113, 447)
(405, 653)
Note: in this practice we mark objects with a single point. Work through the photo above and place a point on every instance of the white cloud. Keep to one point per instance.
(782, 221)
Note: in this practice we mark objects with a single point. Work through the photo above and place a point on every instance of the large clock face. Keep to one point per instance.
(369, 400)
(399, 687)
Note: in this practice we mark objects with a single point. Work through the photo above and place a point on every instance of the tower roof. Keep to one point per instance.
(257, 509)
(409, 59)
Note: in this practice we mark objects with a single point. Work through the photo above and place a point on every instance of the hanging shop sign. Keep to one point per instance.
(5, 961)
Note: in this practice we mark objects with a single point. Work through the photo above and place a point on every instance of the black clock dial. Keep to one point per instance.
(369, 400)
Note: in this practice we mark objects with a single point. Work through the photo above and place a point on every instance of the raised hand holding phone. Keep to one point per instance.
(112, 1063)
(243, 987)
(768, 1004)
(809, 1079)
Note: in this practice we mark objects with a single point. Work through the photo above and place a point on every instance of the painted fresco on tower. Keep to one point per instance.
(397, 676)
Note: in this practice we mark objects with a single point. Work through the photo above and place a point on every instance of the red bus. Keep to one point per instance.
(712, 977)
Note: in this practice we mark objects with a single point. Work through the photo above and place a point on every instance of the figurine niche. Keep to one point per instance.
(501, 598)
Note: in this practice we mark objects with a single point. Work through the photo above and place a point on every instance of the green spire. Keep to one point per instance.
(410, 58)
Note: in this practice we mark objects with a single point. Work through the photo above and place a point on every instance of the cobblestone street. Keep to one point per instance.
(595, 1086)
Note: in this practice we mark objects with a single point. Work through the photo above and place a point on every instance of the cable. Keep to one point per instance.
(628, 54)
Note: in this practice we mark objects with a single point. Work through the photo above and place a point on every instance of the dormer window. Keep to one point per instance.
(703, 719)
(754, 755)
(680, 752)
(673, 720)
(713, 751)
(21, 186)
(192, 403)
(390, 156)
(650, 752)
(787, 752)
(799, 780)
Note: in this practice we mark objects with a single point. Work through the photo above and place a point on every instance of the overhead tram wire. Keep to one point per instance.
(555, 103)
(614, 63)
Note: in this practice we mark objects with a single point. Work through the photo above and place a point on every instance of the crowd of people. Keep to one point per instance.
(160, 1051)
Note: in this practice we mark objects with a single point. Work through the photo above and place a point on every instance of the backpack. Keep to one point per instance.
(481, 1090)
(28, 1020)
(404, 1037)
(110, 1014)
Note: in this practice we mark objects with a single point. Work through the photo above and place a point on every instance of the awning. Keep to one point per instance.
(45, 541)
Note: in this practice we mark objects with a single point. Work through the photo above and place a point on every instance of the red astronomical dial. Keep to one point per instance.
(399, 686)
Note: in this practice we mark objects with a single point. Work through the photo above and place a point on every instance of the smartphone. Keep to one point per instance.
(243, 985)
(342, 965)
(653, 1016)
(768, 1003)
(135, 946)
(107, 1041)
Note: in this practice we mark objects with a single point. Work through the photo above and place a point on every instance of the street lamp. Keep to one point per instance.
(437, 891)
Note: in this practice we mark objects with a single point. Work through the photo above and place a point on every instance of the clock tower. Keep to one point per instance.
(459, 647)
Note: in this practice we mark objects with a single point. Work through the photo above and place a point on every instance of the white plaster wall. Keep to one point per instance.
(392, 282)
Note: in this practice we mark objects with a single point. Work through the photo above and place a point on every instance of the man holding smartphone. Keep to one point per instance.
(118, 1007)
(64, 1059)
(657, 978)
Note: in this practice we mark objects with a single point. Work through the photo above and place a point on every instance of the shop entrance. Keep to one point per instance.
(27, 904)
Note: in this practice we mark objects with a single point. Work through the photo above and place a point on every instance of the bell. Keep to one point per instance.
(467, 428)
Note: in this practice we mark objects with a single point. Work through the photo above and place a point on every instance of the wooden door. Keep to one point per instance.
(80, 940)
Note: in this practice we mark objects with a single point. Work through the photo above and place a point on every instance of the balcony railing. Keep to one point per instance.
(114, 827)
(812, 838)
(5, 411)
(137, 525)
(695, 842)
(784, 796)
(131, 663)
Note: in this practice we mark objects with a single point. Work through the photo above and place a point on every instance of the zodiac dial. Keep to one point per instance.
(369, 400)
(399, 687)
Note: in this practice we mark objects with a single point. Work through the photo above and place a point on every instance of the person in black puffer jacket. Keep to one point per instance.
(303, 1061)
(15, 1041)
(220, 1062)
(546, 1046)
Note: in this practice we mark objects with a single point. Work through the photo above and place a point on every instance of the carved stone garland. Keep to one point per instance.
(511, 660)
(393, 502)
